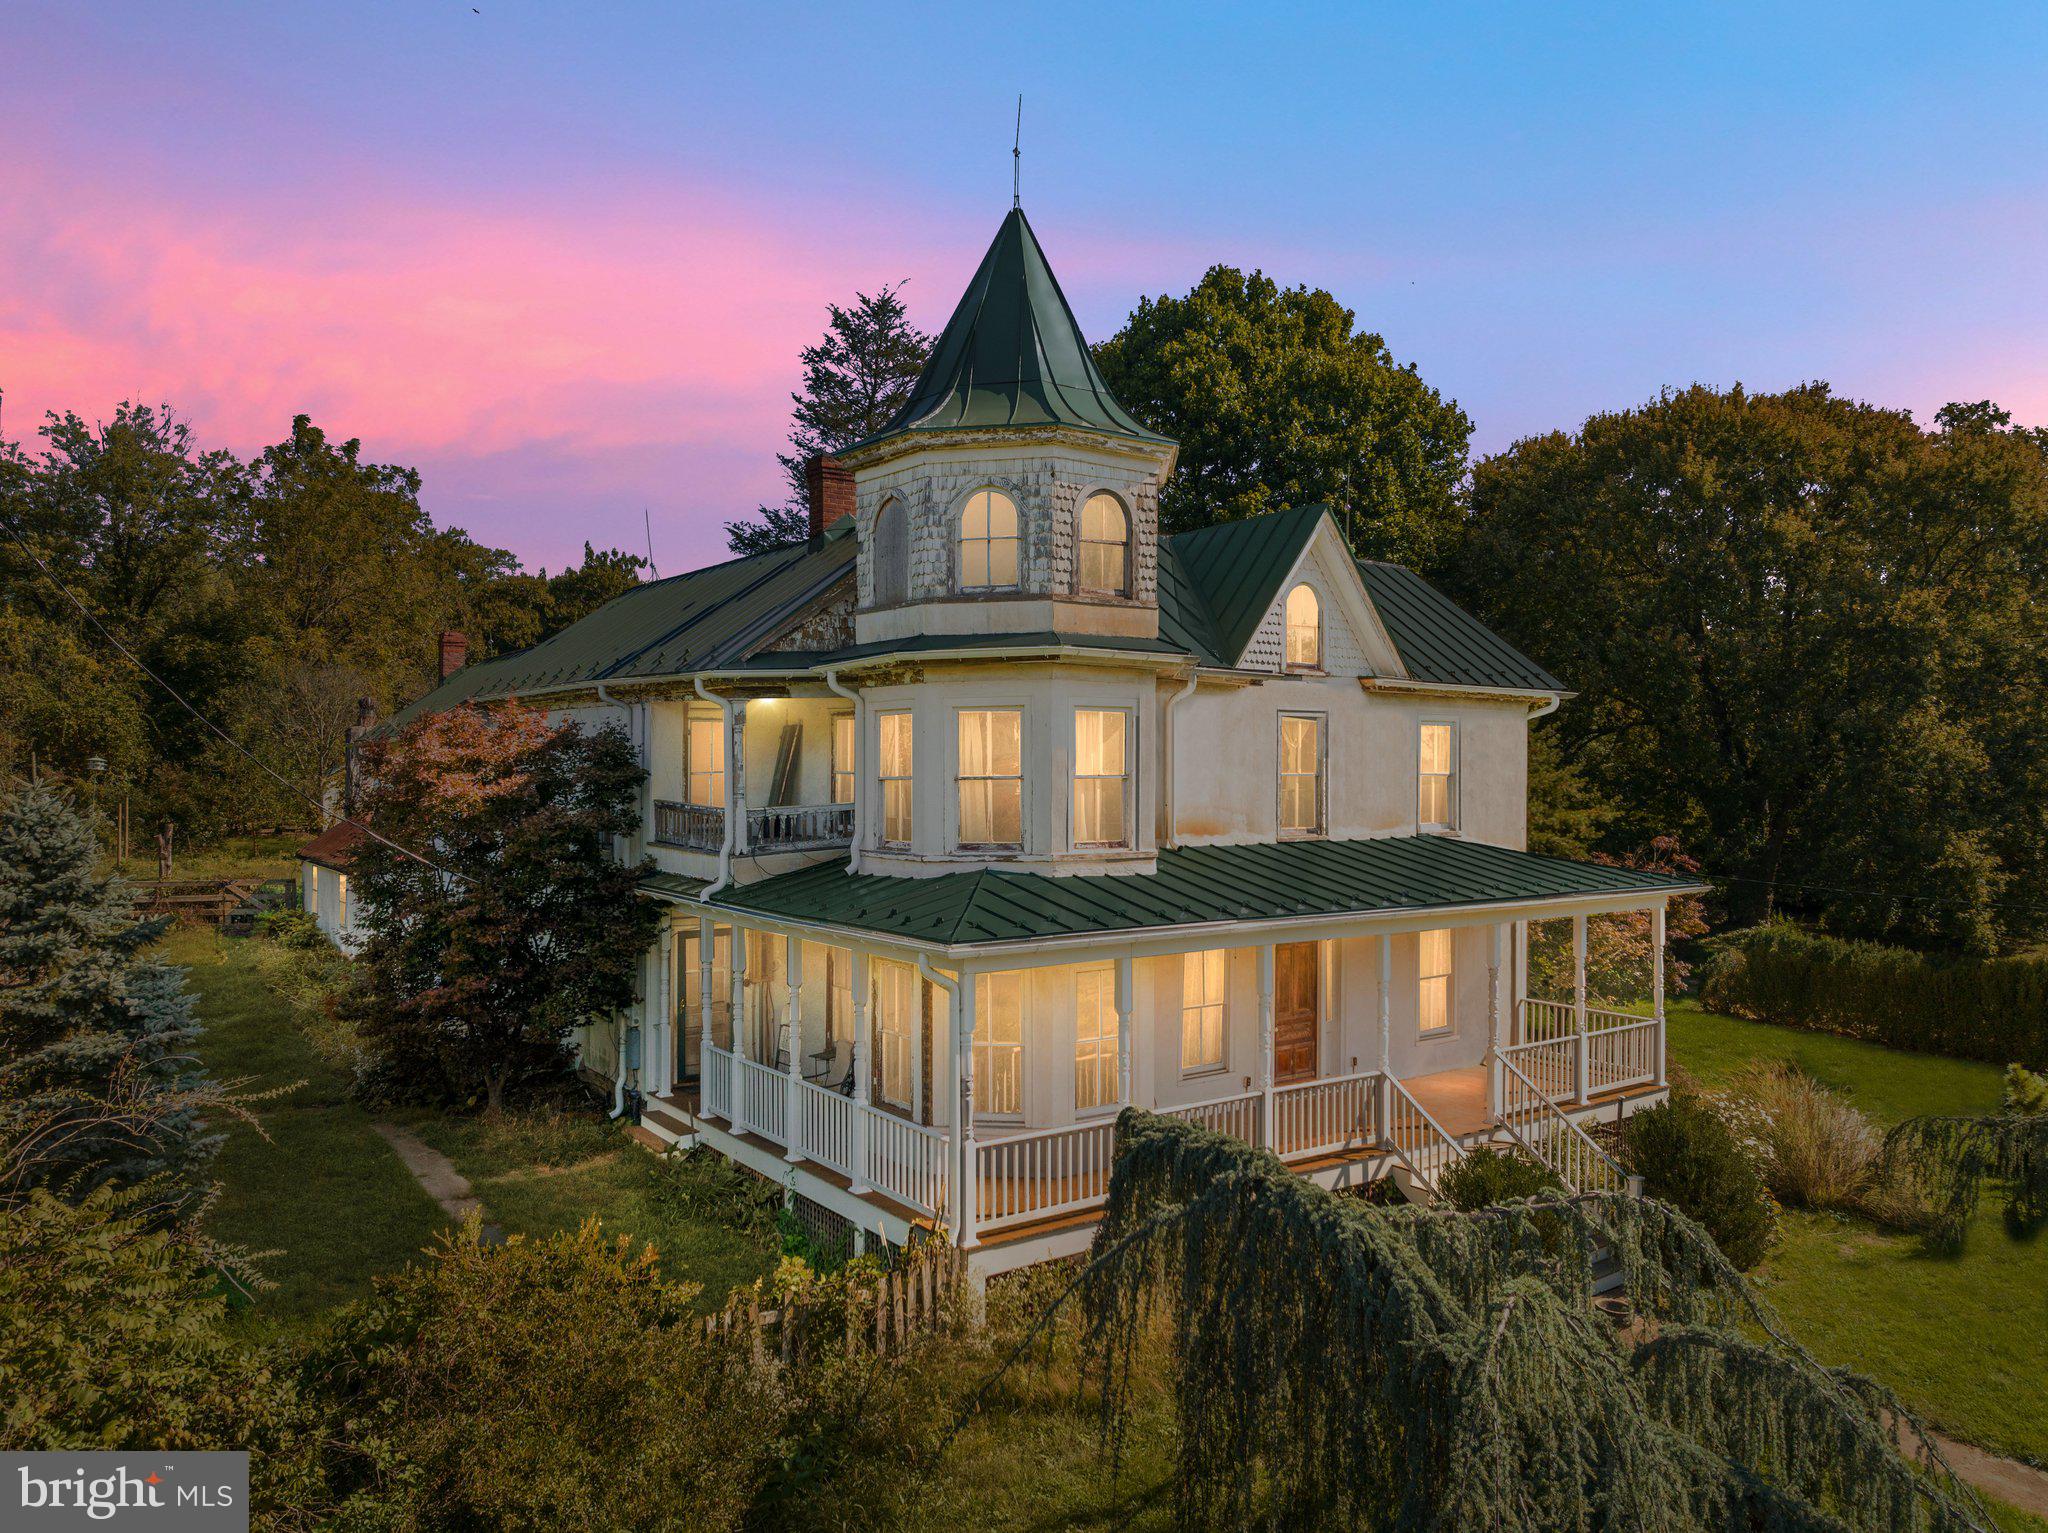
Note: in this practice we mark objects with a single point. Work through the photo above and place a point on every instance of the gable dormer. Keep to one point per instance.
(1321, 620)
(1012, 493)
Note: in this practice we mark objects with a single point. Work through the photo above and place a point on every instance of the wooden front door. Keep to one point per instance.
(1296, 981)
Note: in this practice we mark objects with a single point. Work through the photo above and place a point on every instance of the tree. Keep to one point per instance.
(1338, 1364)
(96, 1084)
(855, 380)
(1568, 816)
(1276, 401)
(1620, 946)
(1955, 1156)
(1806, 634)
(496, 917)
(517, 611)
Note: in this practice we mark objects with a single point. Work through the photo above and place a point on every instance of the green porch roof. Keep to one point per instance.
(1012, 354)
(1194, 885)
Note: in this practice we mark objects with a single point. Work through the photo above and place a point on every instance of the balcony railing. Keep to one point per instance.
(783, 828)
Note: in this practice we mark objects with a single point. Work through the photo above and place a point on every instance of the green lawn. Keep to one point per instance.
(266, 856)
(1964, 1340)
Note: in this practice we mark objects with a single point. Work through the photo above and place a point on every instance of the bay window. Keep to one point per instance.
(991, 777)
(1101, 772)
(894, 770)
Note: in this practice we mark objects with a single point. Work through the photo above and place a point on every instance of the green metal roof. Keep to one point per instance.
(1012, 354)
(674, 885)
(1234, 569)
(1194, 885)
(1439, 641)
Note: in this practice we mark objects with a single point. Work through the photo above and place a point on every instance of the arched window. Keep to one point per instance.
(1304, 630)
(890, 554)
(988, 542)
(1105, 545)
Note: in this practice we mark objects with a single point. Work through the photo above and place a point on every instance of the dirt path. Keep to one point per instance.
(437, 1177)
(2012, 1482)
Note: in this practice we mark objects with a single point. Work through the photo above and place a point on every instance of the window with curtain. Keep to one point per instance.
(1304, 621)
(704, 762)
(895, 1015)
(988, 542)
(992, 777)
(1095, 1062)
(1204, 993)
(765, 1015)
(1301, 774)
(999, 1044)
(839, 996)
(1105, 545)
(842, 758)
(893, 770)
(1433, 1001)
(1436, 769)
(1102, 768)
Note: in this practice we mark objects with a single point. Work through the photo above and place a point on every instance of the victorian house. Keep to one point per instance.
(989, 809)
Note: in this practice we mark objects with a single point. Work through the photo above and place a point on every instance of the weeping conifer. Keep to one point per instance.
(1955, 1156)
(1338, 1364)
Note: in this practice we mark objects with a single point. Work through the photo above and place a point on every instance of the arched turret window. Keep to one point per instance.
(988, 542)
(1304, 630)
(889, 554)
(1105, 546)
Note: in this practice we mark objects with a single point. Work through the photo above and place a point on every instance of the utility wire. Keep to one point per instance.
(179, 698)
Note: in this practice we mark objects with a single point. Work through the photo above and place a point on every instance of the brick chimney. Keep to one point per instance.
(454, 650)
(830, 489)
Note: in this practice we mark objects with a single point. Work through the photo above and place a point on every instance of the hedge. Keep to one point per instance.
(1992, 1009)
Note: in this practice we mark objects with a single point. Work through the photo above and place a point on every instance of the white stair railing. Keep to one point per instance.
(1418, 1140)
(1535, 1123)
(1317, 1117)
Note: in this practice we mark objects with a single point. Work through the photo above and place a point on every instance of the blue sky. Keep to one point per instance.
(561, 258)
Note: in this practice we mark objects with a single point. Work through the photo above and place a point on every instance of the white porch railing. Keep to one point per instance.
(1418, 1140)
(1618, 1050)
(1535, 1123)
(1621, 1050)
(717, 1078)
(1552, 1066)
(828, 1127)
(1036, 1175)
(1236, 1116)
(1545, 1020)
(1316, 1117)
(906, 1161)
(763, 1105)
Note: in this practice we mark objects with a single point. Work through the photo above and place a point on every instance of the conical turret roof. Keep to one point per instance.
(1012, 354)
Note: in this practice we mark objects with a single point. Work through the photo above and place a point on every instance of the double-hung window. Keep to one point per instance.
(992, 777)
(1095, 1044)
(1301, 774)
(1204, 978)
(842, 758)
(704, 762)
(895, 1015)
(1433, 995)
(893, 730)
(1102, 766)
(1436, 776)
(999, 1044)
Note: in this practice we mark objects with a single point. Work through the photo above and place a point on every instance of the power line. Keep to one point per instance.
(179, 698)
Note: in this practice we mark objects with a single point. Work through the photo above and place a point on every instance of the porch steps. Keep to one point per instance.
(1608, 1276)
(667, 1126)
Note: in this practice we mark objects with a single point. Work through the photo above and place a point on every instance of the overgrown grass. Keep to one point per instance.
(264, 856)
(1963, 1339)
(323, 1190)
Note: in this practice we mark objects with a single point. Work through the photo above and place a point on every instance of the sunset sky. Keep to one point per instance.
(561, 258)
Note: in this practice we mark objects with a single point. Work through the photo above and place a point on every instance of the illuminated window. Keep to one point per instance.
(992, 777)
(842, 758)
(1105, 544)
(1304, 619)
(839, 996)
(1436, 770)
(1204, 978)
(1301, 774)
(1101, 769)
(999, 1043)
(1095, 1062)
(988, 542)
(1433, 1001)
(895, 1015)
(894, 770)
(704, 756)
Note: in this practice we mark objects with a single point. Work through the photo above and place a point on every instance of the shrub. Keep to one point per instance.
(702, 1184)
(1488, 1176)
(298, 930)
(1690, 1159)
(1819, 1152)
(1993, 1009)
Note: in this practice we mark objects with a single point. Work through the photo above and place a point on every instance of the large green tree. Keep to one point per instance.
(854, 380)
(1807, 635)
(1277, 399)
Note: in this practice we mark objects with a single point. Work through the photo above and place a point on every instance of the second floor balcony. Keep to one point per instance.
(780, 828)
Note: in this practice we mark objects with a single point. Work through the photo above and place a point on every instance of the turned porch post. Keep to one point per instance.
(858, 1182)
(1579, 1007)
(707, 938)
(738, 1092)
(1657, 917)
(736, 777)
(1386, 1012)
(1265, 1075)
(1496, 1020)
(967, 1193)
(793, 1019)
(1123, 1031)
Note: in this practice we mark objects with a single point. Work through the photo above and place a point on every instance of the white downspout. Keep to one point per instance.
(726, 845)
(1550, 706)
(860, 777)
(1172, 762)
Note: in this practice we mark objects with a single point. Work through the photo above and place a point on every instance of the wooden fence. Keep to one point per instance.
(919, 1295)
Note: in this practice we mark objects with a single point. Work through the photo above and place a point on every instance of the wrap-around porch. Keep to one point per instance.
(965, 1119)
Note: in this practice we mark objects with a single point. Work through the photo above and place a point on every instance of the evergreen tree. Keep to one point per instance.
(96, 1084)
(855, 379)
